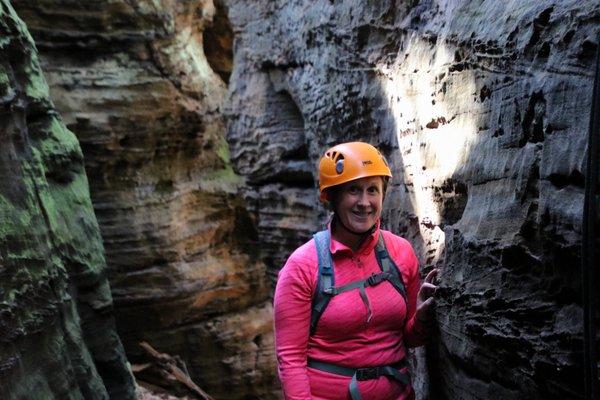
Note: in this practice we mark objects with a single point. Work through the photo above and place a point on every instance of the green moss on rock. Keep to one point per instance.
(58, 340)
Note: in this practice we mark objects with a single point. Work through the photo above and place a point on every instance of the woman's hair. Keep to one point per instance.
(331, 194)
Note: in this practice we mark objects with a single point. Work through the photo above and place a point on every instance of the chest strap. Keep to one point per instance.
(363, 374)
(325, 280)
(373, 280)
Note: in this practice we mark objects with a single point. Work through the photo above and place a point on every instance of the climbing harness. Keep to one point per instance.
(326, 289)
(364, 374)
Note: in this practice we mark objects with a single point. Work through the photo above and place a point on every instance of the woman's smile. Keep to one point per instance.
(361, 214)
(361, 218)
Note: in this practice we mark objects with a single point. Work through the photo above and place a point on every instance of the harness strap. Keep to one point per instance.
(373, 280)
(387, 265)
(325, 278)
(363, 374)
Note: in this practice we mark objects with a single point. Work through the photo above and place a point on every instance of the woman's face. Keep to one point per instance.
(358, 203)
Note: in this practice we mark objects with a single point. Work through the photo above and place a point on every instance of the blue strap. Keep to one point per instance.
(325, 278)
(322, 242)
(353, 389)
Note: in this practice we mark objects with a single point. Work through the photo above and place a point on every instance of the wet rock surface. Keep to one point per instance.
(482, 109)
(57, 332)
(143, 92)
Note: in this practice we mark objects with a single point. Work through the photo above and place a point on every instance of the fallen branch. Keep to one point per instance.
(169, 370)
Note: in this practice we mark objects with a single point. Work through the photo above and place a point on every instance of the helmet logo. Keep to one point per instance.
(339, 166)
(367, 162)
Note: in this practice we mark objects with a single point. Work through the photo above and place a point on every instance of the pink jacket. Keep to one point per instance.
(343, 335)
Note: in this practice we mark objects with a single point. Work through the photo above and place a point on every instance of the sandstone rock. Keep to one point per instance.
(242, 343)
(271, 149)
(133, 82)
(482, 109)
(58, 338)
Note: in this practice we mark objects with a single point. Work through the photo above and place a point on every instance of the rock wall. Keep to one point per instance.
(132, 79)
(57, 331)
(482, 109)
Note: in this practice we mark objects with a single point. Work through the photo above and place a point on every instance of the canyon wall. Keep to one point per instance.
(142, 85)
(201, 125)
(482, 109)
(57, 332)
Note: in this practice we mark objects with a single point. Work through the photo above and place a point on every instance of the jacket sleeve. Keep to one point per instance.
(414, 332)
(292, 308)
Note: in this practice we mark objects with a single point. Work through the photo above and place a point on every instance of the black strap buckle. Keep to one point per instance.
(376, 279)
(365, 374)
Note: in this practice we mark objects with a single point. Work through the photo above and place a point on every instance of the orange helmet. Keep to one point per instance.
(349, 161)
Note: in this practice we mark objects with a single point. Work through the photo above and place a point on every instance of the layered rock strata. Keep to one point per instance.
(271, 149)
(132, 80)
(57, 332)
(482, 109)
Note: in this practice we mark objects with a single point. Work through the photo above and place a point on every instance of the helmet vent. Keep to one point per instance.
(338, 159)
(335, 156)
(339, 165)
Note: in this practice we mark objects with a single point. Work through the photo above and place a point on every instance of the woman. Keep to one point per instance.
(346, 301)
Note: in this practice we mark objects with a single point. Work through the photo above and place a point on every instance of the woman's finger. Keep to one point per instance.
(426, 291)
(431, 275)
(425, 307)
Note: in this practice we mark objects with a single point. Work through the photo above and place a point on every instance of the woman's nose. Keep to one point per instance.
(363, 199)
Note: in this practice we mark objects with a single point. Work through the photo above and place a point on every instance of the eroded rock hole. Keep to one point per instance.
(218, 43)
(452, 198)
(533, 120)
(575, 178)
(293, 167)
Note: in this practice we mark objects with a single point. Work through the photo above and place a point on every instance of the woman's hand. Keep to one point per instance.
(425, 299)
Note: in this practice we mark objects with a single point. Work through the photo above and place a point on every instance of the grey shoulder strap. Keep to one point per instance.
(388, 265)
(325, 278)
